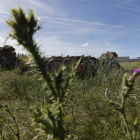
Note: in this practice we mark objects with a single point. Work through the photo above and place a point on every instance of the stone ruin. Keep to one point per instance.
(8, 57)
(72, 59)
(110, 58)
(109, 55)
(9, 60)
(69, 60)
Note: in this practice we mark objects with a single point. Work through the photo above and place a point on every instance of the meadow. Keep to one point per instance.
(39, 105)
(87, 114)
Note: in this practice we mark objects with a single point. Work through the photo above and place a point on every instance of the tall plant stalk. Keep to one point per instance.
(51, 117)
(127, 87)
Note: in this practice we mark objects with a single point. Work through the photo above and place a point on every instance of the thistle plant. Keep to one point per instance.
(127, 87)
(50, 118)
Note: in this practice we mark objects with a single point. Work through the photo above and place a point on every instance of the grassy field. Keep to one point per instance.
(87, 114)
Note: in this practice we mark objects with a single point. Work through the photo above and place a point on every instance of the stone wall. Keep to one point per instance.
(8, 57)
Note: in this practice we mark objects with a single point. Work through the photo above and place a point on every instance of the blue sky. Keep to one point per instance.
(80, 27)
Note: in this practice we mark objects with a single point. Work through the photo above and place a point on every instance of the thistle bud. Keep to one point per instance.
(137, 71)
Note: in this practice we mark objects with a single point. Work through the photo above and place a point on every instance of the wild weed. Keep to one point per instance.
(51, 117)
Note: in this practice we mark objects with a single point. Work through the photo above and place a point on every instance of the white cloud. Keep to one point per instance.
(18, 49)
(116, 26)
(129, 9)
(126, 2)
(4, 12)
(120, 3)
(44, 6)
(41, 7)
(85, 45)
(2, 21)
(8, 42)
(55, 46)
(107, 44)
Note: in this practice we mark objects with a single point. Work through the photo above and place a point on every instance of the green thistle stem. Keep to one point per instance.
(51, 117)
(127, 86)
